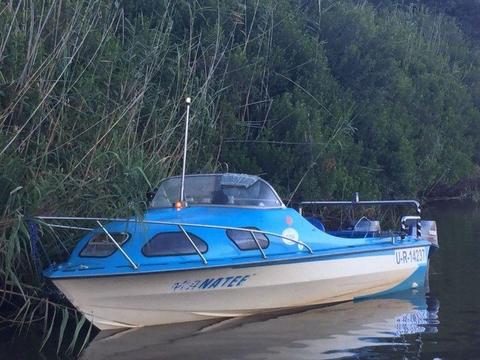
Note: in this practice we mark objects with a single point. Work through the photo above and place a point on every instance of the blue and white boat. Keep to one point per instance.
(225, 245)
(232, 248)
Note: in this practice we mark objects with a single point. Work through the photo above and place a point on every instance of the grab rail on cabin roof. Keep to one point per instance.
(181, 226)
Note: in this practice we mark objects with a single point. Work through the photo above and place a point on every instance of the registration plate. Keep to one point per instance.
(412, 255)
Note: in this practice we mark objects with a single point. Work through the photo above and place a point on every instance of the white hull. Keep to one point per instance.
(164, 298)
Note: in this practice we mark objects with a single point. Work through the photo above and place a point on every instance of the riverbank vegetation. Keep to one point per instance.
(321, 98)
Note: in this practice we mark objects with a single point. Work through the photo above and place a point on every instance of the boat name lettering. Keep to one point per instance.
(413, 255)
(211, 283)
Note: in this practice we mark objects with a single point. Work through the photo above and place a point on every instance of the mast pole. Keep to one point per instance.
(188, 100)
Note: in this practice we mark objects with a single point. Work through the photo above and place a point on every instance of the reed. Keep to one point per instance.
(89, 116)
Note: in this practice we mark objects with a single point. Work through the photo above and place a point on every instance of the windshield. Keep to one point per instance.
(221, 189)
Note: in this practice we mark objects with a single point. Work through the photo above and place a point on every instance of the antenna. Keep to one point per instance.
(188, 101)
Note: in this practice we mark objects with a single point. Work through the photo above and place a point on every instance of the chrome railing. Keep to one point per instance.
(181, 226)
(356, 202)
(362, 202)
(135, 266)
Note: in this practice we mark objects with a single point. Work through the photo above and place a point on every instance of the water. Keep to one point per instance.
(445, 324)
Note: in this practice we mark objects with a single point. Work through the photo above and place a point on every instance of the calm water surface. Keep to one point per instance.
(443, 324)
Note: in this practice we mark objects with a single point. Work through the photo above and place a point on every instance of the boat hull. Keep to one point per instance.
(179, 296)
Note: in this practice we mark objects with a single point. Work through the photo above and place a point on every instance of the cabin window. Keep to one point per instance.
(173, 243)
(102, 246)
(245, 241)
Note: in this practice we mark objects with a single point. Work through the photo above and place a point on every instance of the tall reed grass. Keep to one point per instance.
(90, 117)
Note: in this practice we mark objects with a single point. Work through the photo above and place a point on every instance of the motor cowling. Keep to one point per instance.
(429, 231)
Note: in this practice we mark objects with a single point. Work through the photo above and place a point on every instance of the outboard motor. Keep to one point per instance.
(428, 232)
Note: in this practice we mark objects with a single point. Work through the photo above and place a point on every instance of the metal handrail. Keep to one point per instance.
(356, 201)
(180, 225)
(193, 244)
(403, 225)
(135, 266)
(362, 202)
(258, 245)
(69, 227)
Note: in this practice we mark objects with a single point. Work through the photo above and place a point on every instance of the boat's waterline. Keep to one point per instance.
(163, 298)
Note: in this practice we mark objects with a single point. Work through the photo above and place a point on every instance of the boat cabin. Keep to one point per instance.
(224, 219)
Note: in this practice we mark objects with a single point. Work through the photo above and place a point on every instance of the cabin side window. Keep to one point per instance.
(173, 243)
(245, 240)
(102, 246)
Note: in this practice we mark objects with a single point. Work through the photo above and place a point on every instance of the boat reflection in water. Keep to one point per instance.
(321, 333)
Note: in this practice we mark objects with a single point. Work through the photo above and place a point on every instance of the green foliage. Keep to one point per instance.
(406, 74)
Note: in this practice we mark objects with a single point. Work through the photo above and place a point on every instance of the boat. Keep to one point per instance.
(233, 249)
(225, 245)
